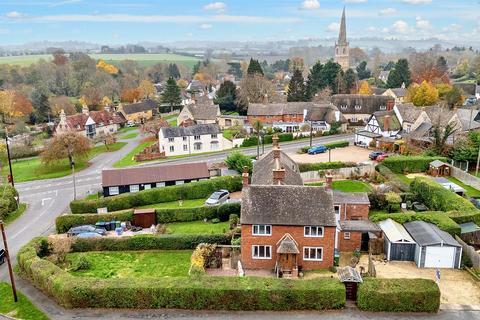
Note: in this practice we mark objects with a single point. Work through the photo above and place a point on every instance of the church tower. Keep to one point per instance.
(342, 54)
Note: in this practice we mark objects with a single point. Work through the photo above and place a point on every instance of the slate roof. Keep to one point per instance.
(151, 174)
(426, 234)
(465, 121)
(378, 91)
(204, 112)
(103, 117)
(439, 115)
(263, 170)
(360, 104)
(409, 112)
(287, 245)
(195, 130)
(349, 274)
(287, 205)
(393, 122)
(325, 113)
(359, 225)
(399, 92)
(340, 197)
(395, 232)
(437, 163)
(284, 108)
(141, 106)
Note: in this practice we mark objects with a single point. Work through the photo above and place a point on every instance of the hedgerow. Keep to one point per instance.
(332, 145)
(392, 178)
(65, 222)
(408, 164)
(305, 167)
(193, 190)
(398, 295)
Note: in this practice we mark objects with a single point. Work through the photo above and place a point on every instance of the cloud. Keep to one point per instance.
(65, 2)
(334, 26)
(128, 18)
(401, 26)
(417, 1)
(310, 5)
(206, 26)
(387, 11)
(372, 29)
(15, 15)
(422, 23)
(454, 27)
(216, 6)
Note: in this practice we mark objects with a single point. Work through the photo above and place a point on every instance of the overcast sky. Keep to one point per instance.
(131, 21)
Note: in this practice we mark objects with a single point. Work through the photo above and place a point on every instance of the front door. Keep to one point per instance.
(286, 261)
(365, 240)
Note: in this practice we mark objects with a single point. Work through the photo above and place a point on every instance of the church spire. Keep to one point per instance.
(342, 36)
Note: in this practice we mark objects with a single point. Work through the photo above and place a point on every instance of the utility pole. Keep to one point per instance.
(311, 133)
(478, 162)
(74, 186)
(10, 178)
(9, 263)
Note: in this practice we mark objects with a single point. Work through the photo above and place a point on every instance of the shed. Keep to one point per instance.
(144, 218)
(350, 277)
(447, 184)
(470, 233)
(398, 245)
(438, 168)
(435, 248)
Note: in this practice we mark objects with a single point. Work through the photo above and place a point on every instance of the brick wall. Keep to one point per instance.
(354, 212)
(297, 232)
(350, 245)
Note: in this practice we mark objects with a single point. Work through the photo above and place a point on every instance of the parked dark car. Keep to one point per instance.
(2, 256)
(375, 154)
(75, 231)
(89, 235)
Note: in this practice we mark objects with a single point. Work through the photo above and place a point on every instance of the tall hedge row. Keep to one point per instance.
(305, 167)
(408, 164)
(392, 178)
(214, 293)
(193, 190)
(398, 295)
(253, 140)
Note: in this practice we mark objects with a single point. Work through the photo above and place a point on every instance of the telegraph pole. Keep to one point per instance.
(9, 263)
(74, 185)
(9, 160)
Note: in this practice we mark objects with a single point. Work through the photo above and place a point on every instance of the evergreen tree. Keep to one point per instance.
(362, 71)
(41, 108)
(296, 88)
(441, 65)
(196, 68)
(350, 81)
(254, 67)
(173, 71)
(330, 76)
(235, 69)
(399, 75)
(313, 81)
(171, 94)
(226, 96)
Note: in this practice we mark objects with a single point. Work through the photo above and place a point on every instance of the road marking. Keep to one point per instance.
(45, 199)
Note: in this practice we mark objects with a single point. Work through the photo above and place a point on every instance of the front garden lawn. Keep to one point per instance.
(23, 309)
(126, 129)
(129, 136)
(351, 186)
(151, 264)
(471, 192)
(128, 159)
(175, 204)
(198, 227)
(34, 169)
(171, 119)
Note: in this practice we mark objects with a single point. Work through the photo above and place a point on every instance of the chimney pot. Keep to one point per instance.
(278, 176)
(386, 121)
(328, 181)
(275, 141)
(245, 176)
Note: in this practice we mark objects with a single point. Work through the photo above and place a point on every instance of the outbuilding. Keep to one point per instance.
(398, 245)
(435, 248)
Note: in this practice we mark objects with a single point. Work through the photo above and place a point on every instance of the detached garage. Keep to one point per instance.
(435, 248)
(398, 245)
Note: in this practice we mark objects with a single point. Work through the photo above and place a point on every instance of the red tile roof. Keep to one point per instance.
(77, 121)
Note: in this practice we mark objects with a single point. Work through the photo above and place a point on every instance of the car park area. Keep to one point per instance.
(347, 154)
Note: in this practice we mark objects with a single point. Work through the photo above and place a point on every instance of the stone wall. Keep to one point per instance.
(466, 178)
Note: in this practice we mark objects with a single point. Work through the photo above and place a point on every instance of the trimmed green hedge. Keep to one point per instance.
(148, 242)
(305, 167)
(221, 212)
(438, 198)
(398, 295)
(65, 222)
(332, 145)
(440, 219)
(214, 293)
(407, 164)
(392, 178)
(253, 140)
(193, 190)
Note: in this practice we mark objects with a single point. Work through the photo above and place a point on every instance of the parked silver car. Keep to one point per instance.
(218, 197)
(75, 231)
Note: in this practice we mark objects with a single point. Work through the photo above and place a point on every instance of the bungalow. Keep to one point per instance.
(198, 138)
(91, 124)
(200, 114)
(358, 108)
(118, 181)
(382, 128)
(139, 112)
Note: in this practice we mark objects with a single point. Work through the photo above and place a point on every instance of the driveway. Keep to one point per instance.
(348, 154)
(456, 286)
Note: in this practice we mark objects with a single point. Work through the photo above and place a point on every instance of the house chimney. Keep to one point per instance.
(245, 182)
(265, 99)
(107, 108)
(386, 122)
(85, 110)
(390, 104)
(276, 147)
(275, 141)
(328, 181)
(63, 116)
(278, 176)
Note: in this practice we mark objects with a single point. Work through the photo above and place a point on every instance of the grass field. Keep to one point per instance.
(23, 309)
(128, 159)
(175, 204)
(34, 169)
(351, 186)
(15, 214)
(152, 264)
(404, 178)
(146, 59)
(198, 227)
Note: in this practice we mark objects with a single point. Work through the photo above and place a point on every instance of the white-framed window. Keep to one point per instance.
(346, 235)
(184, 138)
(313, 253)
(262, 230)
(172, 148)
(214, 136)
(336, 208)
(197, 146)
(185, 147)
(113, 191)
(147, 186)
(160, 184)
(313, 231)
(171, 139)
(261, 252)
(196, 137)
(179, 182)
(358, 107)
(134, 188)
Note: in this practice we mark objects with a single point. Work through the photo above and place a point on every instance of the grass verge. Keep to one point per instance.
(176, 204)
(351, 186)
(128, 159)
(129, 136)
(15, 214)
(198, 227)
(23, 309)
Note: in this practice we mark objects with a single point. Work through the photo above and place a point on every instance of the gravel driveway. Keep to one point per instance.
(348, 154)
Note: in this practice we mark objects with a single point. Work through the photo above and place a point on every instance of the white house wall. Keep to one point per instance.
(178, 144)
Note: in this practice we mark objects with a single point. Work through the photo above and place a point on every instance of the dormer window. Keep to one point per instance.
(343, 107)
(358, 107)
(383, 107)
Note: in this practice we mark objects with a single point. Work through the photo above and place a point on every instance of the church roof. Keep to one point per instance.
(342, 36)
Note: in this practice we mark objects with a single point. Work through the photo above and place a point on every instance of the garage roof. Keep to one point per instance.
(395, 232)
(426, 234)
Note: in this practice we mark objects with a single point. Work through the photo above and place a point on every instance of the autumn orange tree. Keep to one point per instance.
(424, 94)
(69, 145)
(13, 104)
(364, 88)
(109, 68)
(130, 95)
(147, 89)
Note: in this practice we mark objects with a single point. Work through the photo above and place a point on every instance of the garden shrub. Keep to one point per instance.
(305, 167)
(8, 204)
(225, 210)
(222, 212)
(233, 220)
(398, 295)
(198, 260)
(193, 190)
(216, 220)
(250, 141)
(440, 219)
(214, 293)
(65, 222)
(82, 263)
(409, 164)
(392, 177)
(338, 144)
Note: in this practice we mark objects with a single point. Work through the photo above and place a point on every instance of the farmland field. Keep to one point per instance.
(145, 59)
